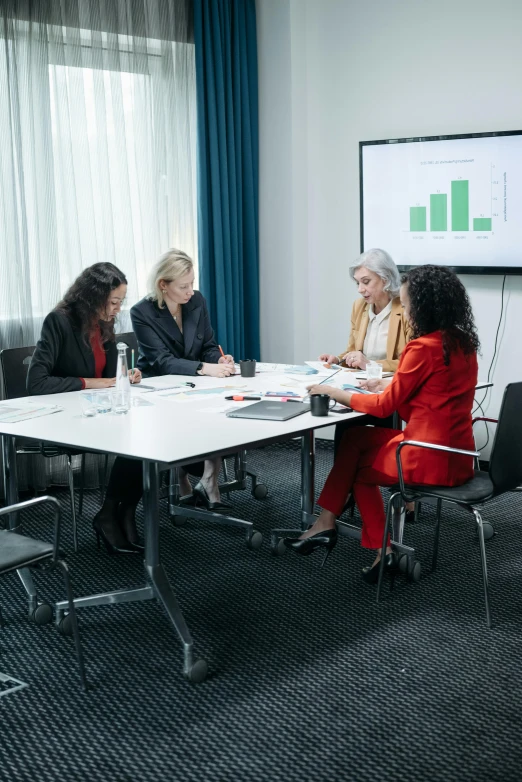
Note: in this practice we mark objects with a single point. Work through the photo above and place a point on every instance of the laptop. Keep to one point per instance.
(271, 411)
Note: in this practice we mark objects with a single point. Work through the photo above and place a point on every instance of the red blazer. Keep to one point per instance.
(436, 402)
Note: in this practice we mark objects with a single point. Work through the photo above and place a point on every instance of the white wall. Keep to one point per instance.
(332, 73)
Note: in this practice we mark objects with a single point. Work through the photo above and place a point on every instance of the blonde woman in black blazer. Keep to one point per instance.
(175, 337)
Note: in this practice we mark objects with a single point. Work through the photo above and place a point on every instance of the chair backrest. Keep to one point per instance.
(15, 365)
(505, 461)
(130, 339)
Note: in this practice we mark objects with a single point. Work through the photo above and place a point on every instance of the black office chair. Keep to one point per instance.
(14, 363)
(19, 551)
(504, 475)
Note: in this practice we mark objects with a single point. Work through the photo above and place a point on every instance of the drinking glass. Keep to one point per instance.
(88, 402)
(373, 371)
(103, 401)
(121, 401)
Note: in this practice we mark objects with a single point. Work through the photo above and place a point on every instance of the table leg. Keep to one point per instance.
(194, 671)
(11, 497)
(307, 479)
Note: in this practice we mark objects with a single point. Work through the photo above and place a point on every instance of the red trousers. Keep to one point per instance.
(353, 472)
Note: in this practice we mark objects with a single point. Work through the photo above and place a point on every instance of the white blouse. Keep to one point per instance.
(377, 333)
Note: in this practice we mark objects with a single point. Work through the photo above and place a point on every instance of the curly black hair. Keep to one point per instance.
(439, 302)
(87, 298)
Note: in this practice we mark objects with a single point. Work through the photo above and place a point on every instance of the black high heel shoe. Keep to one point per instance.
(118, 544)
(305, 546)
(127, 522)
(200, 493)
(370, 574)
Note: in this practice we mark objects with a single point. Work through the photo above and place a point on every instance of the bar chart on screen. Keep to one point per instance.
(453, 202)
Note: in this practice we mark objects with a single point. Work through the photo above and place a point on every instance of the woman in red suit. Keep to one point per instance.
(433, 391)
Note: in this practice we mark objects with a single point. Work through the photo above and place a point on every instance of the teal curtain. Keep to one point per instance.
(228, 170)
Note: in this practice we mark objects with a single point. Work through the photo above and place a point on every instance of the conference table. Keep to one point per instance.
(165, 428)
(168, 426)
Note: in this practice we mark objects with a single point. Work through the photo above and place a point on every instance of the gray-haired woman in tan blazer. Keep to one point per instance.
(379, 330)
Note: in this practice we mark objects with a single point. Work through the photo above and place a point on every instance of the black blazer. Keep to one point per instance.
(62, 357)
(164, 350)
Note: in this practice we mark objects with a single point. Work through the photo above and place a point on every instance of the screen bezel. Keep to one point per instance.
(489, 270)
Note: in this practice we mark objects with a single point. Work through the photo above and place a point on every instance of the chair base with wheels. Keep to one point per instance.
(18, 552)
(504, 475)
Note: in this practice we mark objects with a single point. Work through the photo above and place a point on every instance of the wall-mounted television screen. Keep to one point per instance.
(451, 200)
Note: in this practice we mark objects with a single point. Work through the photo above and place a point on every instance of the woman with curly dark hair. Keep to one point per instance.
(432, 390)
(76, 350)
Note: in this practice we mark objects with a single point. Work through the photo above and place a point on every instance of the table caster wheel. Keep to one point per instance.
(277, 547)
(414, 571)
(254, 540)
(197, 672)
(488, 529)
(260, 491)
(403, 563)
(42, 614)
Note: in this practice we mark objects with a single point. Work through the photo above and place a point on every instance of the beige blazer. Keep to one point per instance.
(399, 333)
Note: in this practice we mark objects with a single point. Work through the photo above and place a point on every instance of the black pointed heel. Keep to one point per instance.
(200, 493)
(306, 546)
(370, 574)
(127, 522)
(110, 547)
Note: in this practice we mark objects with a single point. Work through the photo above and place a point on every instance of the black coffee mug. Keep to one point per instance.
(320, 404)
(248, 367)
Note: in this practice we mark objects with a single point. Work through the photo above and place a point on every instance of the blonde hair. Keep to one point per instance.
(171, 266)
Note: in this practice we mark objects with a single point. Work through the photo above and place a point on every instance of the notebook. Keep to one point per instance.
(270, 411)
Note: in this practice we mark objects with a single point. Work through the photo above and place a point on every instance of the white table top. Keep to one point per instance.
(172, 431)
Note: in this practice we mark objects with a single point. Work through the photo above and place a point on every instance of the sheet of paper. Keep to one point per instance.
(12, 412)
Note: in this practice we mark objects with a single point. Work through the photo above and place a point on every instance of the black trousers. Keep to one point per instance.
(126, 479)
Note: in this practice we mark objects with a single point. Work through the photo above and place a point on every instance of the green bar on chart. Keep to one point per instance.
(460, 205)
(438, 212)
(417, 218)
(482, 223)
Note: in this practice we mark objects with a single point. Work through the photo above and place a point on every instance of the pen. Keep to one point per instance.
(221, 351)
(132, 363)
(243, 398)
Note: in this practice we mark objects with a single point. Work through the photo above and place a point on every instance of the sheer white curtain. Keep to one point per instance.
(97, 147)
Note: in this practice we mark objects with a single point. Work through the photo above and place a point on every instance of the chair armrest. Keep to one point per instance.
(20, 506)
(481, 418)
(430, 446)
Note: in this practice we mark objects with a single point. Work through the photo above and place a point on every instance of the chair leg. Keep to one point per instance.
(82, 486)
(389, 515)
(74, 621)
(70, 476)
(436, 536)
(480, 527)
(225, 470)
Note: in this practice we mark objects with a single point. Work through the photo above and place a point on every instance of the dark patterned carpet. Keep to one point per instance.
(309, 678)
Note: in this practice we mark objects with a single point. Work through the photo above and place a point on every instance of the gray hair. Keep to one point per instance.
(381, 263)
(171, 266)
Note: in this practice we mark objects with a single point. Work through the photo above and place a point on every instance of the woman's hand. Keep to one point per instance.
(99, 382)
(135, 376)
(356, 359)
(375, 384)
(227, 359)
(218, 370)
(329, 358)
(334, 393)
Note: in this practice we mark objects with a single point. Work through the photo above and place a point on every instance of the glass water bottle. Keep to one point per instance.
(122, 392)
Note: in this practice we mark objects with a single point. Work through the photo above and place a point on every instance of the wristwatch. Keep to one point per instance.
(199, 367)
